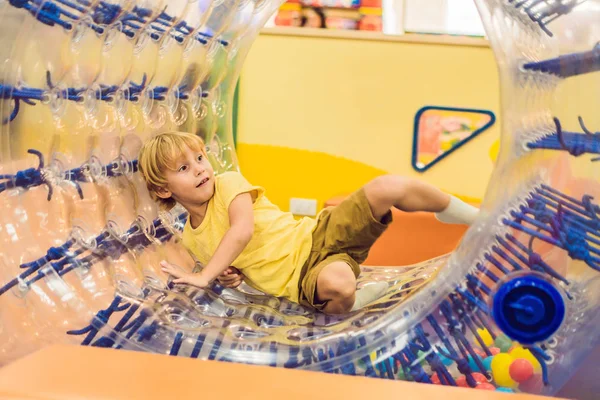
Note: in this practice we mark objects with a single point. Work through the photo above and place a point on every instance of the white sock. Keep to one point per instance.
(458, 212)
(369, 294)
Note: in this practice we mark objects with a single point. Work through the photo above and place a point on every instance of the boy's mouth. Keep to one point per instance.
(202, 182)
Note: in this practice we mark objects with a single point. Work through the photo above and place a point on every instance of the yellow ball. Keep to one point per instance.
(373, 357)
(519, 352)
(486, 337)
(500, 370)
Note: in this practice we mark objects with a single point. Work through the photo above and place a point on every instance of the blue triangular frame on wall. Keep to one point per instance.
(475, 133)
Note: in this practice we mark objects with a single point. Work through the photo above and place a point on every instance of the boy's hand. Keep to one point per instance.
(184, 277)
(231, 278)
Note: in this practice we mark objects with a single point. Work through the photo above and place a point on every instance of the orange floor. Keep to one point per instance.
(77, 372)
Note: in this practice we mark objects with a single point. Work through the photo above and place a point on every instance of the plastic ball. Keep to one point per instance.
(505, 390)
(454, 372)
(520, 352)
(479, 352)
(485, 336)
(445, 360)
(487, 363)
(472, 364)
(495, 350)
(401, 375)
(462, 381)
(485, 386)
(520, 370)
(421, 356)
(503, 343)
(500, 370)
(373, 357)
(479, 377)
(435, 379)
(534, 384)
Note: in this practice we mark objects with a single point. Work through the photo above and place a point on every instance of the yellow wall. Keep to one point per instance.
(320, 116)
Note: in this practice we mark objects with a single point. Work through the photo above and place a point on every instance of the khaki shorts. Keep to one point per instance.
(346, 233)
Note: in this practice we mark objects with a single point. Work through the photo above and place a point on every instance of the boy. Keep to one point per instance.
(313, 262)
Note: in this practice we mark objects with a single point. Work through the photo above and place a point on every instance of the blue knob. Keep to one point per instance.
(528, 308)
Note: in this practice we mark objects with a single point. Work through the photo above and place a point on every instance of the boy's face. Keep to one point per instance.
(192, 182)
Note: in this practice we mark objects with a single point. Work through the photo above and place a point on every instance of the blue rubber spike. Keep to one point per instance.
(106, 93)
(528, 308)
(543, 12)
(177, 341)
(434, 360)
(49, 13)
(106, 246)
(100, 320)
(533, 260)
(198, 346)
(33, 177)
(414, 366)
(53, 254)
(27, 178)
(26, 95)
(570, 64)
(560, 233)
(542, 358)
(574, 143)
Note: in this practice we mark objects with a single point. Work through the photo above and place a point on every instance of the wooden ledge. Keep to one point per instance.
(376, 36)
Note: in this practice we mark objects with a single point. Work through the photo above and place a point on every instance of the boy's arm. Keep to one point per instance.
(241, 221)
(241, 229)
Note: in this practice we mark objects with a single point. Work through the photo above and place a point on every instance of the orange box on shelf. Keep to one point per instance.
(370, 19)
(411, 238)
(371, 3)
(289, 14)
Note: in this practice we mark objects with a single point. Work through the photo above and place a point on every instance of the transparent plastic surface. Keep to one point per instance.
(514, 308)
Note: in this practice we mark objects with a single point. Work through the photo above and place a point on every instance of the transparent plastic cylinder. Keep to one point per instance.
(514, 308)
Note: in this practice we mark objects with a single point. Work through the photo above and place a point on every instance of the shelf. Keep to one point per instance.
(376, 36)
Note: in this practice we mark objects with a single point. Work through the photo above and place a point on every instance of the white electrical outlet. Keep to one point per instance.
(304, 207)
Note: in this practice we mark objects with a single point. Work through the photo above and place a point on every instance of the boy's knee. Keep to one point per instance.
(346, 288)
(338, 280)
(388, 185)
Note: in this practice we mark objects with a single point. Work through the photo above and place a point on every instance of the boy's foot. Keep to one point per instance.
(458, 212)
(369, 294)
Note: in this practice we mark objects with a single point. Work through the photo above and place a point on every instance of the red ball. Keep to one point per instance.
(479, 377)
(435, 379)
(533, 385)
(462, 381)
(485, 386)
(479, 352)
(520, 370)
(495, 350)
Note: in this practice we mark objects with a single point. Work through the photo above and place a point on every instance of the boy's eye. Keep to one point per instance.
(200, 157)
(182, 168)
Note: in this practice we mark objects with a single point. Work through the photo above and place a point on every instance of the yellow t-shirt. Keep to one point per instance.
(273, 259)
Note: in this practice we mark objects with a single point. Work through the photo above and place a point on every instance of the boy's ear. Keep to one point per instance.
(163, 193)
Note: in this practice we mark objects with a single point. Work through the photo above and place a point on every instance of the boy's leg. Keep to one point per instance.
(336, 286)
(409, 194)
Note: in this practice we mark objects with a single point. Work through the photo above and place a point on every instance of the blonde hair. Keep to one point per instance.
(160, 153)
